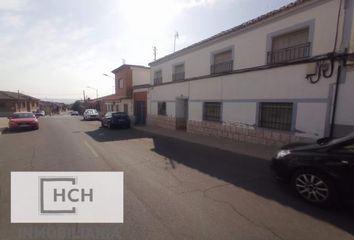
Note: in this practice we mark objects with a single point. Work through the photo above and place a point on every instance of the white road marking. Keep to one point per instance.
(91, 149)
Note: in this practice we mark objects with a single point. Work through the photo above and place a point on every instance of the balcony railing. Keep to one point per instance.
(222, 67)
(178, 76)
(157, 80)
(289, 53)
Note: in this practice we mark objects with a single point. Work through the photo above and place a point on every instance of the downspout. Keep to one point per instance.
(335, 102)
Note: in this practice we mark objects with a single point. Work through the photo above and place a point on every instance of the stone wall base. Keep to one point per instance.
(161, 121)
(245, 133)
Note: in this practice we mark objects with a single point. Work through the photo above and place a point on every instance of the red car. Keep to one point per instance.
(23, 120)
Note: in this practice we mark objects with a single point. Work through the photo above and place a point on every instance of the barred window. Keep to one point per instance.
(161, 108)
(276, 115)
(222, 62)
(158, 77)
(289, 46)
(178, 72)
(212, 111)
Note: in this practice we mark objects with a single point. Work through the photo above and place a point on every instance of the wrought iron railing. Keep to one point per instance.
(276, 115)
(178, 76)
(157, 80)
(222, 67)
(289, 53)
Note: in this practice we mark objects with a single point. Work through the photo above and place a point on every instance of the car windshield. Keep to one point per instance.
(91, 111)
(118, 114)
(22, 115)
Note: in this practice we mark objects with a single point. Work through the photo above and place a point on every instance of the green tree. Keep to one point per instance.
(76, 106)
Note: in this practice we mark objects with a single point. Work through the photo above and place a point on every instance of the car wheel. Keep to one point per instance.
(314, 187)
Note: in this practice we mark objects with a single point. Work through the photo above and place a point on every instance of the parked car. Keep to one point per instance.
(91, 114)
(39, 113)
(74, 113)
(23, 120)
(116, 120)
(321, 173)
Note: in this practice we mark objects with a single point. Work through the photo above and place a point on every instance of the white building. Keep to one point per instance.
(271, 80)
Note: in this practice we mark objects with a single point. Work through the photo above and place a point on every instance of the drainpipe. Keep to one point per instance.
(335, 102)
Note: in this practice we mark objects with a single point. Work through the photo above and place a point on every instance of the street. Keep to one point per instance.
(172, 189)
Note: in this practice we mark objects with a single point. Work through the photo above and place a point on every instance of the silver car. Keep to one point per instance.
(91, 114)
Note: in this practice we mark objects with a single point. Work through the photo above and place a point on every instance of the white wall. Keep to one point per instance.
(140, 76)
(277, 83)
(195, 111)
(235, 112)
(171, 109)
(308, 122)
(240, 94)
(250, 46)
(345, 104)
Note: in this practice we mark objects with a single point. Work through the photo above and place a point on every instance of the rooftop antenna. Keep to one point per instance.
(155, 51)
(174, 42)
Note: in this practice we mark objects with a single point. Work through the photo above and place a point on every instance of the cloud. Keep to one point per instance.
(58, 52)
(12, 5)
(12, 20)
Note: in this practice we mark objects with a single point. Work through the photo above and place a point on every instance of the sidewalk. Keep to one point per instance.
(250, 149)
(3, 123)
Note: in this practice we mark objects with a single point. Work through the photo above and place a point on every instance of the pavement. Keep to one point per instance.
(251, 149)
(173, 188)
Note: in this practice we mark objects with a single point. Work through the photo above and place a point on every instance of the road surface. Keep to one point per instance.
(172, 189)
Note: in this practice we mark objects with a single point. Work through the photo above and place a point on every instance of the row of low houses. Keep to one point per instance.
(285, 76)
(11, 102)
(16, 102)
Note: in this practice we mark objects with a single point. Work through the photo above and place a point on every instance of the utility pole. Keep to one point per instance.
(174, 42)
(18, 100)
(84, 95)
(155, 50)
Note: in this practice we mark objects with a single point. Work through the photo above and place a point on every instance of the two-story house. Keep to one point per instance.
(131, 86)
(282, 77)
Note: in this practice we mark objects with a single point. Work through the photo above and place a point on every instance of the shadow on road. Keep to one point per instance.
(250, 173)
(16, 131)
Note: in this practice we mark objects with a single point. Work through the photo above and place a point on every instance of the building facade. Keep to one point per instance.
(282, 77)
(131, 84)
(11, 102)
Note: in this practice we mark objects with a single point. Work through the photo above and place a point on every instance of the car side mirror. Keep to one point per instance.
(322, 141)
(9, 117)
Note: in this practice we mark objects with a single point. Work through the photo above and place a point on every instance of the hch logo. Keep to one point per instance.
(67, 197)
(62, 194)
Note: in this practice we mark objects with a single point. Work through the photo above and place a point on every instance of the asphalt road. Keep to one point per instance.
(172, 189)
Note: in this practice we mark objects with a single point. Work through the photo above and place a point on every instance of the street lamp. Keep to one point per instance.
(94, 89)
(108, 75)
(105, 74)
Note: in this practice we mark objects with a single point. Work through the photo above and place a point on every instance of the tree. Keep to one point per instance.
(76, 106)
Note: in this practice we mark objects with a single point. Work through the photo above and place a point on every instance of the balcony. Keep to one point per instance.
(157, 80)
(223, 67)
(289, 54)
(178, 76)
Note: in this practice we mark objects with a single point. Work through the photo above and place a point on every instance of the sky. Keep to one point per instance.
(54, 49)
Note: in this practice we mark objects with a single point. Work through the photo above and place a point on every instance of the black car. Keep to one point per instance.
(115, 120)
(322, 172)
